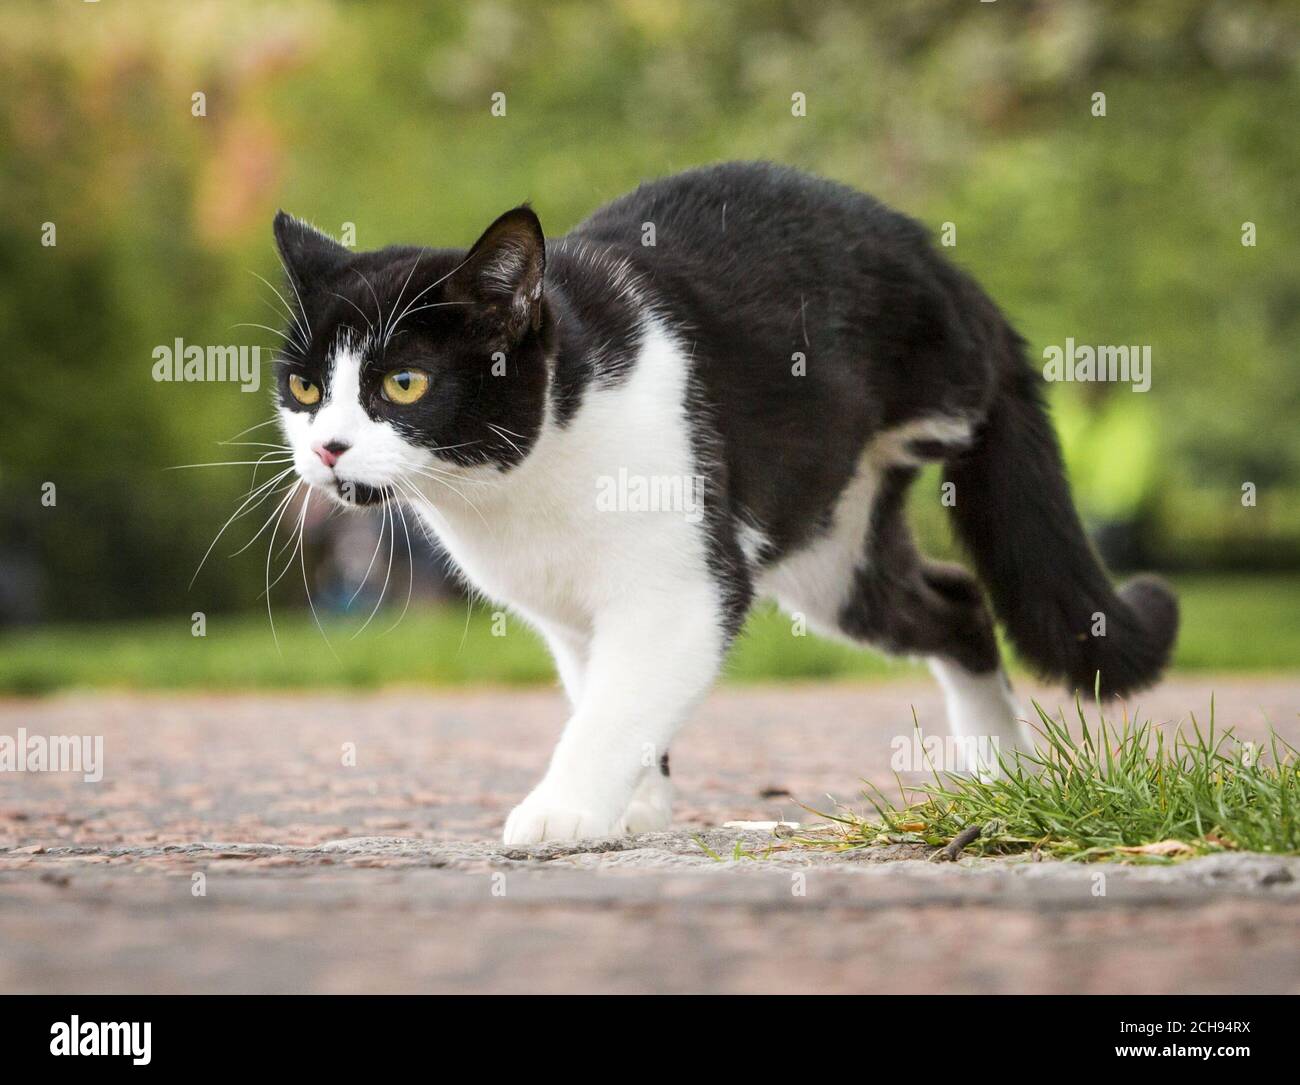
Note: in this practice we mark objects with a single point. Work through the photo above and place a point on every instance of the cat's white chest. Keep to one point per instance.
(568, 529)
(520, 552)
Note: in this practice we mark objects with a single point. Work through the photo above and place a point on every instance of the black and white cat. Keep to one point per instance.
(628, 443)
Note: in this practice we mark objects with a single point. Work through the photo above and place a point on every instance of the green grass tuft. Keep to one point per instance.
(1127, 792)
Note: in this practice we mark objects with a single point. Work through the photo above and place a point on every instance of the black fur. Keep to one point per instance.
(764, 263)
(1020, 526)
(902, 603)
(816, 319)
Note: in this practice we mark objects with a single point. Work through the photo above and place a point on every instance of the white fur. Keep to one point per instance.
(890, 447)
(752, 541)
(623, 598)
(981, 707)
(651, 808)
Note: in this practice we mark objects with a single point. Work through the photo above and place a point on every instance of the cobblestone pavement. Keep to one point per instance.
(386, 874)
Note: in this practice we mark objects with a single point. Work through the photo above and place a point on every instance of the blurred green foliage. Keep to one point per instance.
(1117, 229)
(1230, 624)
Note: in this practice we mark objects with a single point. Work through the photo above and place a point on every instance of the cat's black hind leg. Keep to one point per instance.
(904, 604)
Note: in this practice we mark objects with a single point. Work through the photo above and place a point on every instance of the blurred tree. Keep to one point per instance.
(1115, 229)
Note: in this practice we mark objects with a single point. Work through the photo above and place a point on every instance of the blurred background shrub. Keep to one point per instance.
(1118, 229)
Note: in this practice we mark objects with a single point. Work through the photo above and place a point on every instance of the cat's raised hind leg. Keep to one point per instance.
(908, 605)
(868, 583)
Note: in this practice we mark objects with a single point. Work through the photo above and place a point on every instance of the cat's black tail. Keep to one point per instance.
(1014, 514)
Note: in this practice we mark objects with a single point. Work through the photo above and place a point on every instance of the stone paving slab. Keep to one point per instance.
(388, 875)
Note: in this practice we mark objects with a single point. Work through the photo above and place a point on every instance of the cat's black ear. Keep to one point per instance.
(505, 268)
(307, 253)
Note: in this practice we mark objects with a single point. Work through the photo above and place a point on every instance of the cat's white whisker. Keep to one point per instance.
(383, 590)
(365, 577)
(443, 482)
(431, 305)
(250, 501)
(263, 528)
(294, 341)
(274, 331)
(302, 309)
(405, 284)
(230, 463)
(273, 458)
(286, 544)
(294, 540)
(369, 326)
(410, 566)
(255, 486)
(500, 432)
(278, 515)
(448, 479)
(421, 294)
(379, 309)
(305, 339)
(302, 562)
(462, 444)
(257, 425)
(512, 433)
(438, 473)
(414, 499)
(417, 498)
(284, 569)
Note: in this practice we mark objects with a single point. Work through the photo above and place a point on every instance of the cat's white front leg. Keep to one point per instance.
(652, 659)
(569, 650)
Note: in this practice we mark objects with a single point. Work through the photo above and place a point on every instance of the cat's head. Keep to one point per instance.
(406, 361)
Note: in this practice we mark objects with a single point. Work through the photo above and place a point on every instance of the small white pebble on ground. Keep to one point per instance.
(761, 826)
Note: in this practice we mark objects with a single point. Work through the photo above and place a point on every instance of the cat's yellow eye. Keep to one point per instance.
(304, 391)
(403, 386)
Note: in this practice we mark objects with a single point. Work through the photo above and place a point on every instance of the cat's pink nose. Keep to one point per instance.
(330, 451)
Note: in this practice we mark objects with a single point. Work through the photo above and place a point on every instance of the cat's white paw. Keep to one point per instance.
(536, 820)
(651, 808)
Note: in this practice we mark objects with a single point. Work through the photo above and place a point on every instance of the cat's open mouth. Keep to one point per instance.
(359, 493)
